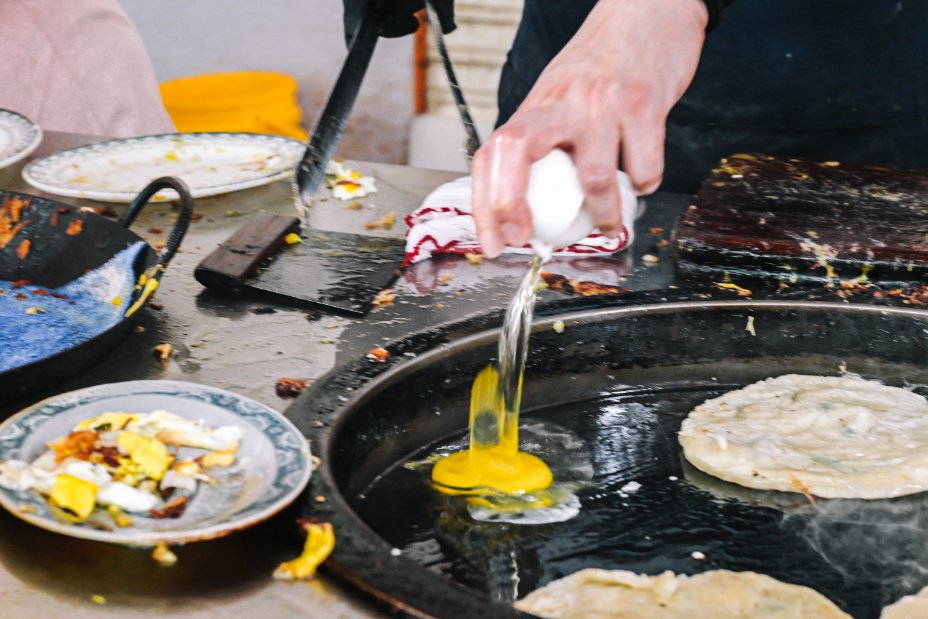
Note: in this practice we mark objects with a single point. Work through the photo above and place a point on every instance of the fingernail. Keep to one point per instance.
(491, 245)
(512, 234)
(649, 187)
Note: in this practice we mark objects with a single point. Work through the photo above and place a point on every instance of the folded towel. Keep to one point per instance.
(444, 225)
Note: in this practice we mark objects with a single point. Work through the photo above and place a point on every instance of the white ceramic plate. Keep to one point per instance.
(272, 465)
(210, 164)
(19, 136)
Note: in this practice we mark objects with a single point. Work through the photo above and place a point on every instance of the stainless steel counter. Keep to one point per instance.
(245, 344)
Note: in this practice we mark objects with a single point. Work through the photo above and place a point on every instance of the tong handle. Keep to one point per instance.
(470, 128)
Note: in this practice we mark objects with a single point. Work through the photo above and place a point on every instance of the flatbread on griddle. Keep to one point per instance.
(829, 436)
(720, 594)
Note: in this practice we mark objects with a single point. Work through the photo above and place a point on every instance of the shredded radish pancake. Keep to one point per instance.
(828, 436)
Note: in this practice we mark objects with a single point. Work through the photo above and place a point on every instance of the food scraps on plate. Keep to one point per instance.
(125, 463)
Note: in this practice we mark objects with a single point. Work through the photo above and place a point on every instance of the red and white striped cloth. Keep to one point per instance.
(444, 225)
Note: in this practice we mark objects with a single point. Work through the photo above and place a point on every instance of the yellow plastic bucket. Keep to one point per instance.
(250, 101)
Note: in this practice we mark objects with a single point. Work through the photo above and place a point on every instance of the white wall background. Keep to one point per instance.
(300, 37)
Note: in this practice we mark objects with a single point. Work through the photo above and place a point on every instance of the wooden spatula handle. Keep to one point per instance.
(237, 258)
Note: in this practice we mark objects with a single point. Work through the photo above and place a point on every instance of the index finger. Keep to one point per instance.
(500, 179)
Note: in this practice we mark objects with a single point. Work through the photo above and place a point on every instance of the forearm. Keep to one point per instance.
(605, 95)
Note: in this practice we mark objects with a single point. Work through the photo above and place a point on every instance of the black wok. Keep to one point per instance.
(65, 242)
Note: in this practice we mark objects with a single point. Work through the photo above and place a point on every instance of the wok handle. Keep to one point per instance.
(150, 279)
(185, 214)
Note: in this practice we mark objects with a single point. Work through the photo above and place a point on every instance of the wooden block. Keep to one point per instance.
(761, 216)
(237, 258)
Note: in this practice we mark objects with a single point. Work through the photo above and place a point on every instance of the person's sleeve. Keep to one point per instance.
(715, 8)
(399, 15)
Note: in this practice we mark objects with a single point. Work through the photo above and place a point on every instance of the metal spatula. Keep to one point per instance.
(333, 270)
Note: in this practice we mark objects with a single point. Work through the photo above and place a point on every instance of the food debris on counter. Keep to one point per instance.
(292, 239)
(378, 354)
(163, 351)
(699, 556)
(290, 387)
(384, 298)
(444, 278)
(474, 259)
(750, 326)
(579, 287)
(558, 326)
(163, 556)
(386, 222)
(98, 599)
(348, 184)
(320, 541)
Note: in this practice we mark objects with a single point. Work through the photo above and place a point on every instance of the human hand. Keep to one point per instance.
(399, 16)
(608, 92)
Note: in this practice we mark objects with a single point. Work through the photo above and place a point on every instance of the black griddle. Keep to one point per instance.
(652, 357)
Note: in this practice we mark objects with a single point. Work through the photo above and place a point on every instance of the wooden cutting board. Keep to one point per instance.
(758, 216)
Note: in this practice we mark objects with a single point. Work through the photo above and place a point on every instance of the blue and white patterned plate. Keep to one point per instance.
(210, 164)
(19, 136)
(272, 466)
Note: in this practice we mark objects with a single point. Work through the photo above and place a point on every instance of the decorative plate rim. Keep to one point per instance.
(32, 130)
(35, 172)
(175, 388)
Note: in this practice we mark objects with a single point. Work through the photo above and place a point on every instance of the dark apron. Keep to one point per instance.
(824, 79)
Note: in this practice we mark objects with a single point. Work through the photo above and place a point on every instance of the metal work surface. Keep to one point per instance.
(245, 345)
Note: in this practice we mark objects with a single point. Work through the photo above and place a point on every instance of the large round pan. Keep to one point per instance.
(64, 242)
(621, 378)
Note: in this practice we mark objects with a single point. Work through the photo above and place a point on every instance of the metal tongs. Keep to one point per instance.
(330, 125)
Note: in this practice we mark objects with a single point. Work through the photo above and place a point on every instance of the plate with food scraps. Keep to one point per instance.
(210, 164)
(19, 136)
(150, 462)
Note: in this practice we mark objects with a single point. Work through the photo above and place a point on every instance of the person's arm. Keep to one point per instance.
(606, 94)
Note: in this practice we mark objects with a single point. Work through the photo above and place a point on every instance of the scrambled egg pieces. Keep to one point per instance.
(320, 542)
(126, 462)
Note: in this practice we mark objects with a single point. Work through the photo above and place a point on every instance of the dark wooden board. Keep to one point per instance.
(758, 216)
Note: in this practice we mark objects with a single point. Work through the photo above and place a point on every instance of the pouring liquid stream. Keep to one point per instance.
(493, 464)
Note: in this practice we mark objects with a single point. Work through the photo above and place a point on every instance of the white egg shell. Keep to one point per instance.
(555, 198)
